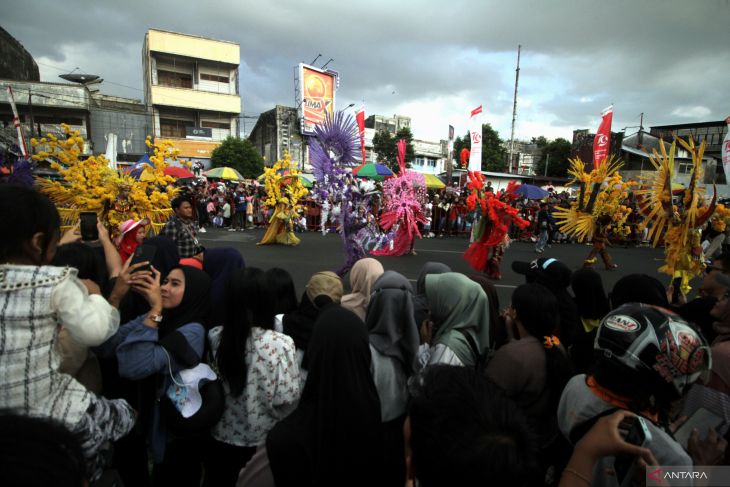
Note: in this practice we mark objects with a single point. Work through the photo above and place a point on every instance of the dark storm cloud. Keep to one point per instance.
(662, 57)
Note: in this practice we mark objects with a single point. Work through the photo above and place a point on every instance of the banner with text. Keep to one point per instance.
(317, 91)
(602, 140)
(475, 130)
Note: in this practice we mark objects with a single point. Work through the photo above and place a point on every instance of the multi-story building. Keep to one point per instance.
(713, 133)
(429, 157)
(391, 124)
(277, 132)
(191, 90)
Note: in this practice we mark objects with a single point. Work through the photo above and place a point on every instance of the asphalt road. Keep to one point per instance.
(317, 252)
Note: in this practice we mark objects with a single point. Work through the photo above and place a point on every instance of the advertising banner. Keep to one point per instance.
(602, 140)
(475, 129)
(317, 88)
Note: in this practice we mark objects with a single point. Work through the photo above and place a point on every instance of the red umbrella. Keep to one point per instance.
(178, 172)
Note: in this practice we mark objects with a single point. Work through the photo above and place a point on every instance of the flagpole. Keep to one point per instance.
(514, 111)
(18, 125)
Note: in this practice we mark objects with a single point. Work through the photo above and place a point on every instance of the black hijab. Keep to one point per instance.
(334, 435)
(219, 264)
(195, 304)
(638, 288)
(497, 333)
(166, 257)
(590, 298)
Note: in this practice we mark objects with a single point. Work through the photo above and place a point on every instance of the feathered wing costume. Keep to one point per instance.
(598, 212)
(89, 184)
(332, 153)
(677, 223)
(403, 198)
(491, 233)
(284, 190)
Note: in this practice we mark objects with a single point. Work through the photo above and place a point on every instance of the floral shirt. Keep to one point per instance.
(272, 388)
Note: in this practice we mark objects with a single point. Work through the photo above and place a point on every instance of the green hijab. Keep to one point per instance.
(458, 305)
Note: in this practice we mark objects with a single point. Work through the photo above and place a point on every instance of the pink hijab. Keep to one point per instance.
(362, 276)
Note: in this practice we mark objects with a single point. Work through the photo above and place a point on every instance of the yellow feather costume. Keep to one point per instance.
(89, 184)
(284, 190)
(676, 224)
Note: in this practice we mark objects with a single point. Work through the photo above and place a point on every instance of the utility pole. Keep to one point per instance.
(641, 129)
(547, 161)
(514, 110)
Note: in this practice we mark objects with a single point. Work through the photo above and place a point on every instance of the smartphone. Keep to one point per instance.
(623, 465)
(144, 253)
(703, 420)
(89, 232)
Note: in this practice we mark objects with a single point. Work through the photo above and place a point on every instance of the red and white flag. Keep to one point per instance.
(602, 141)
(360, 117)
(475, 130)
(726, 152)
(18, 125)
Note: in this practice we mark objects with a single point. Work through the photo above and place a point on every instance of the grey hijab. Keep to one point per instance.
(392, 329)
(420, 302)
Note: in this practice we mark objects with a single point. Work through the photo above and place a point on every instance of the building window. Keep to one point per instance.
(216, 125)
(214, 77)
(173, 79)
(685, 168)
(432, 163)
(174, 128)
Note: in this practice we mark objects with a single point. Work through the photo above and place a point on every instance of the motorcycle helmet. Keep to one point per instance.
(658, 345)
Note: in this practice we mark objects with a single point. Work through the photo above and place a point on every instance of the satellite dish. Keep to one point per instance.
(81, 78)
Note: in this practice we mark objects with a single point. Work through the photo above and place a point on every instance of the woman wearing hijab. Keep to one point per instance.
(166, 339)
(219, 264)
(259, 371)
(496, 332)
(460, 316)
(592, 304)
(323, 288)
(394, 344)
(131, 235)
(420, 303)
(333, 437)
(362, 276)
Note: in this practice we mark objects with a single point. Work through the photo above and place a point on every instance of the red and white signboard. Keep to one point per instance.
(475, 130)
(602, 141)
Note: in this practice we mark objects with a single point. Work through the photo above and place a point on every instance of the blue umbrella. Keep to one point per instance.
(531, 192)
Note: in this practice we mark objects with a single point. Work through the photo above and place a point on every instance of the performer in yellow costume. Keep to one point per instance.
(283, 189)
(677, 222)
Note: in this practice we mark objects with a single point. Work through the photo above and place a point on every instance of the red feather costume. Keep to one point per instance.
(490, 234)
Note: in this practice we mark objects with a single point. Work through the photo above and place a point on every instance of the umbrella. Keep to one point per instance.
(306, 179)
(531, 192)
(433, 181)
(372, 171)
(224, 173)
(178, 172)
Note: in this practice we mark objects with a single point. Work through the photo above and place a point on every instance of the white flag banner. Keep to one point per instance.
(726, 152)
(475, 129)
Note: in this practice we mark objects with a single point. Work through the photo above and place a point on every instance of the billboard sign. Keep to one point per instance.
(317, 90)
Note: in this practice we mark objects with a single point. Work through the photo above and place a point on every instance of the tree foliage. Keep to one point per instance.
(385, 146)
(494, 156)
(558, 151)
(239, 154)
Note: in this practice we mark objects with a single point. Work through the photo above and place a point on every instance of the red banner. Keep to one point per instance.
(602, 141)
(360, 117)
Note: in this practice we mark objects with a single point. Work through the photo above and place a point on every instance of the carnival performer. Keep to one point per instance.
(599, 211)
(676, 224)
(490, 236)
(281, 226)
(89, 185)
(332, 154)
(284, 191)
(404, 196)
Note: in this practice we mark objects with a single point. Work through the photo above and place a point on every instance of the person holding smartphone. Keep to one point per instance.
(647, 359)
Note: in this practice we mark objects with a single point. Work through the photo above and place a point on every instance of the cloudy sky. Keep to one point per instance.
(432, 60)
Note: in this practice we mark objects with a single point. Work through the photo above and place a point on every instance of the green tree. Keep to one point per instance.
(385, 146)
(494, 156)
(558, 151)
(240, 154)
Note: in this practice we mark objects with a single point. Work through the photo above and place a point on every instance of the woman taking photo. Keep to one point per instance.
(168, 338)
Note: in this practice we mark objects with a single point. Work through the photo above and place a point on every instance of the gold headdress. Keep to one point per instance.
(282, 183)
